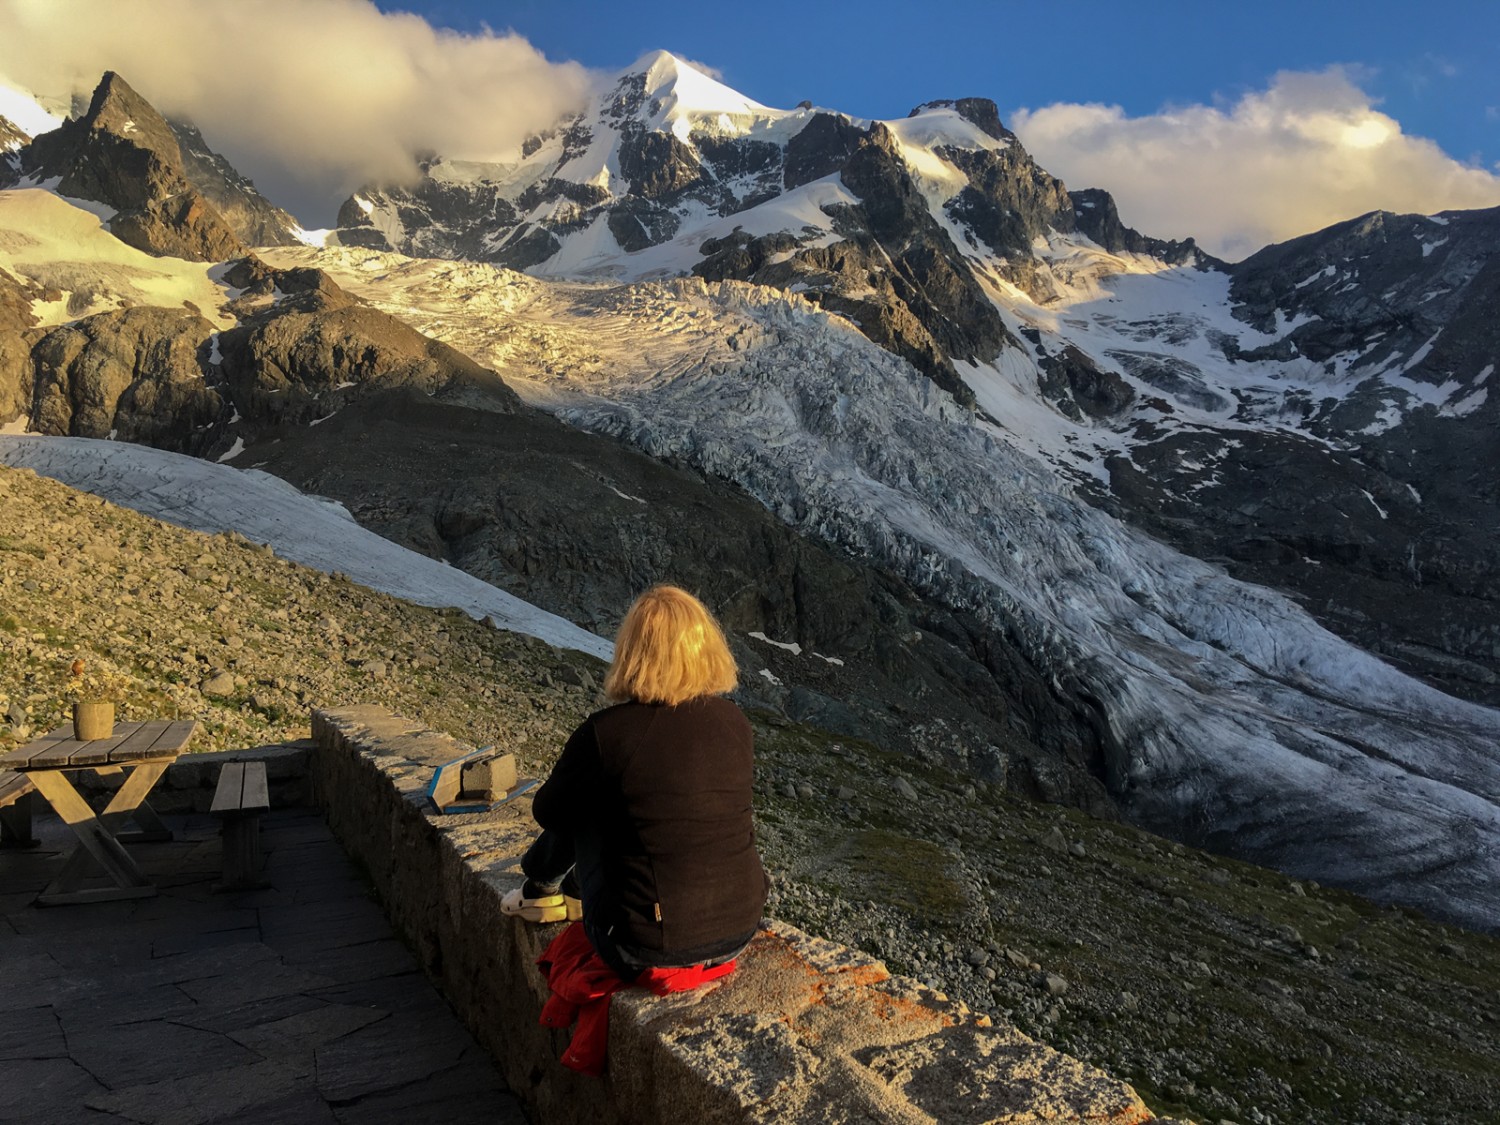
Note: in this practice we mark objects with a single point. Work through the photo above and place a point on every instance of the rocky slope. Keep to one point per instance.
(1220, 990)
(221, 630)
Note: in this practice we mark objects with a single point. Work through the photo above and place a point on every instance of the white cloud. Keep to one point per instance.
(1309, 151)
(309, 99)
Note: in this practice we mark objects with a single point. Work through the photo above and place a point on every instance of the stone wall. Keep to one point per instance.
(804, 1030)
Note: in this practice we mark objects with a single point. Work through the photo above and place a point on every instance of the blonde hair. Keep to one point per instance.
(669, 649)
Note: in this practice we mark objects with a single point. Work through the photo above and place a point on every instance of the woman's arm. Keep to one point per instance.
(570, 792)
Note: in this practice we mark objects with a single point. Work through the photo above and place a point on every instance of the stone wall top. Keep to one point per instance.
(804, 1030)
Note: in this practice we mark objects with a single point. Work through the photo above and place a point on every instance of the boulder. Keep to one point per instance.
(16, 378)
(133, 374)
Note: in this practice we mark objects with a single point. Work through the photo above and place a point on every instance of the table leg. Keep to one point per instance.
(95, 840)
(129, 803)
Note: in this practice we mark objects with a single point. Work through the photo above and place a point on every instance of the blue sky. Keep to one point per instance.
(1434, 67)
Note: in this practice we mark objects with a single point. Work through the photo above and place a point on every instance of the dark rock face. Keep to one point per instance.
(17, 335)
(897, 274)
(1009, 201)
(303, 354)
(179, 226)
(530, 248)
(133, 374)
(1401, 277)
(1078, 387)
(250, 215)
(1096, 216)
(821, 148)
(122, 153)
(657, 165)
(739, 158)
(1171, 375)
(16, 379)
(825, 275)
(16, 296)
(638, 223)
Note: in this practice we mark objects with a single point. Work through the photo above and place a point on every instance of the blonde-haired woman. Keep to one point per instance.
(647, 812)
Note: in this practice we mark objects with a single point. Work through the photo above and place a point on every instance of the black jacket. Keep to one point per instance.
(657, 801)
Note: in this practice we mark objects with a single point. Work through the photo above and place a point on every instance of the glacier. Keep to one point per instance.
(1232, 719)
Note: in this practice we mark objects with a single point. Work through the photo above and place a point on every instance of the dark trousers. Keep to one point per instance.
(549, 864)
(549, 860)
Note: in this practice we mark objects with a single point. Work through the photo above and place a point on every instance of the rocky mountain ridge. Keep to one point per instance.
(809, 200)
(167, 191)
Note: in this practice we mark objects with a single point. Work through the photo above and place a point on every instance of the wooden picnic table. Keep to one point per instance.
(146, 749)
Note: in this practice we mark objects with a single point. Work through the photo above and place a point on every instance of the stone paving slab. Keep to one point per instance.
(295, 1004)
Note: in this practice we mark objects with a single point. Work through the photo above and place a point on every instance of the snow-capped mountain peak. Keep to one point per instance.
(677, 97)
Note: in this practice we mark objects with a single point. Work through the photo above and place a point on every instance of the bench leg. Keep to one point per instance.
(241, 833)
(15, 824)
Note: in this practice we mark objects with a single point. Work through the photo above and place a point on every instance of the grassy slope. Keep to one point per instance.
(1190, 975)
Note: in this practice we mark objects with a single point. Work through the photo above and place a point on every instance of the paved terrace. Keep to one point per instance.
(292, 1005)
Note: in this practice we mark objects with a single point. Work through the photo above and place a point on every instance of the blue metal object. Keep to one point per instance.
(446, 777)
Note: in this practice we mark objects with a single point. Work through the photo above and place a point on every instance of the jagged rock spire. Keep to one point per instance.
(123, 154)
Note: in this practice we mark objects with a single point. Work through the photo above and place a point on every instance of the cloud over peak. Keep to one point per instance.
(1310, 150)
(311, 100)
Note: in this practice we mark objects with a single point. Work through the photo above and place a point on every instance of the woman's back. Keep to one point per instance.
(659, 800)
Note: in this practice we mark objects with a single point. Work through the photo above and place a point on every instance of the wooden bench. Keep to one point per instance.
(242, 795)
(15, 810)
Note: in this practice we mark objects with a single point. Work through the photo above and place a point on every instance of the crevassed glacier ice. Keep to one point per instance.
(1233, 717)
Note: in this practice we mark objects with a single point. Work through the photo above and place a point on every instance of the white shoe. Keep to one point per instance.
(543, 908)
